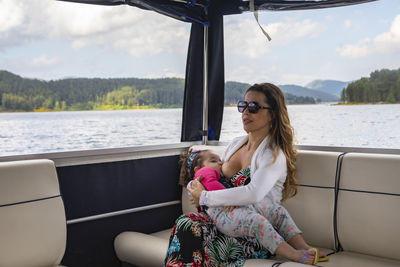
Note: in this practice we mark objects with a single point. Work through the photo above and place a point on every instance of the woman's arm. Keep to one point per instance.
(263, 179)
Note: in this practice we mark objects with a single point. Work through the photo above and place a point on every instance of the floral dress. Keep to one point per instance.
(195, 240)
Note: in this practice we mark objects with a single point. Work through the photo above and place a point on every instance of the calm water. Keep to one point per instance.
(29, 133)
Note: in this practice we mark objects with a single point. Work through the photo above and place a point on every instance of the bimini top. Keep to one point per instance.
(198, 10)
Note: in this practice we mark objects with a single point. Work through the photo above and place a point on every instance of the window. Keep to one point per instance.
(313, 55)
(102, 72)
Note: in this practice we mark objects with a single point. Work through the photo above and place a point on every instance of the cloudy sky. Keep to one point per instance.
(49, 40)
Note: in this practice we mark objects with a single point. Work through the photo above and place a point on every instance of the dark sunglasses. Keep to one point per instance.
(252, 106)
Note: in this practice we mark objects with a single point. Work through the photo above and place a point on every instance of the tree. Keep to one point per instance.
(48, 103)
(146, 97)
(383, 85)
(343, 95)
(390, 98)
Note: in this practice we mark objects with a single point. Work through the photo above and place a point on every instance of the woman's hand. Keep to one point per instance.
(195, 190)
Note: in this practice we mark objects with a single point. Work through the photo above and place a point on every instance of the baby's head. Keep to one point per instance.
(194, 160)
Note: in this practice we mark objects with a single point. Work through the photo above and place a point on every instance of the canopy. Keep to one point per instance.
(198, 10)
(206, 45)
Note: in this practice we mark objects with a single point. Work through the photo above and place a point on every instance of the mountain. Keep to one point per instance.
(302, 91)
(328, 86)
(18, 93)
(234, 92)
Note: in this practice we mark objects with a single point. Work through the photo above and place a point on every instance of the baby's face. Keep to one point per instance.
(212, 160)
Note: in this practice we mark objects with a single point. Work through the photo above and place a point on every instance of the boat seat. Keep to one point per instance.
(367, 213)
(32, 224)
(368, 210)
(149, 250)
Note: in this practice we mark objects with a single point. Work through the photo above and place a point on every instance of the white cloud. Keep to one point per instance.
(11, 15)
(384, 43)
(165, 73)
(251, 74)
(272, 73)
(44, 61)
(288, 31)
(123, 28)
(348, 23)
(244, 37)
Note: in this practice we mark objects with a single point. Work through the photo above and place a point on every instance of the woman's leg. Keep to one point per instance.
(284, 224)
(280, 218)
(246, 221)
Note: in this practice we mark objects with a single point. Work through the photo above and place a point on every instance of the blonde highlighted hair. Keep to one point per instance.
(281, 132)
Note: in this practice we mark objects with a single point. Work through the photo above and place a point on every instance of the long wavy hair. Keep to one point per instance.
(281, 133)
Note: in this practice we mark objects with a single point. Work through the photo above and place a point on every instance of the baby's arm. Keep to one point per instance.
(210, 179)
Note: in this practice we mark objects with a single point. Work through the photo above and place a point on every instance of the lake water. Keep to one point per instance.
(375, 126)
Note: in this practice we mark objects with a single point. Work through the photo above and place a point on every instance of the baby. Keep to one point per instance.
(204, 163)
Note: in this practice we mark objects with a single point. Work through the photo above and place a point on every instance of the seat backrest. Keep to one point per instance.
(32, 215)
(369, 204)
(312, 208)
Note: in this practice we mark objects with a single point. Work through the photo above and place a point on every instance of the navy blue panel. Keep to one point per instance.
(224, 7)
(187, 11)
(192, 120)
(283, 5)
(106, 187)
(91, 244)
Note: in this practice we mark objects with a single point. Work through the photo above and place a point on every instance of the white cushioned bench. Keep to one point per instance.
(368, 210)
(32, 216)
(367, 213)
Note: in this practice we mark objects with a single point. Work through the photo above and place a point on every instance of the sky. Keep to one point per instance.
(50, 40)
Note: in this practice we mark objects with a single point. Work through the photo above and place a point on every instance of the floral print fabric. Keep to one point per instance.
(195, 240)
(270, 224)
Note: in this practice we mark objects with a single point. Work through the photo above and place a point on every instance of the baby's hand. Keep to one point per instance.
(229, 208)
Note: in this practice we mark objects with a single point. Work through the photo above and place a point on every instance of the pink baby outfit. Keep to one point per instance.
(210, 178)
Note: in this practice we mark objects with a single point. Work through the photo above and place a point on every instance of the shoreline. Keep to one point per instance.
(114, 108)
(363, 103)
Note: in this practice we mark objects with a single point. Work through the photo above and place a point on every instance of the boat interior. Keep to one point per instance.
(113, 207)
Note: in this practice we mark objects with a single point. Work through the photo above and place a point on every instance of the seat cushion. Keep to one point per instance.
(32, 234)
(272, 263)
(358, 260)
(368, 205)
(150, 249)
(32, 224)
(27, 180)
(141, 249)
(312, 207)
(165, 234)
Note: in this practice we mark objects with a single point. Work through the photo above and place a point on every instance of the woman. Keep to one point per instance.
(267, 155)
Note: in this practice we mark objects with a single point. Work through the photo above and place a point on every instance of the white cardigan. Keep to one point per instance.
(267, 178)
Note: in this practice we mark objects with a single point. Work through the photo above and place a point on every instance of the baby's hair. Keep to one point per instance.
(186, 174)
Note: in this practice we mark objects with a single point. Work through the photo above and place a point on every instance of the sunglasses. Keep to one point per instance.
(252, 106)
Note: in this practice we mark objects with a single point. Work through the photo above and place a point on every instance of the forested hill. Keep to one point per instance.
(381, 86)
(18, 93)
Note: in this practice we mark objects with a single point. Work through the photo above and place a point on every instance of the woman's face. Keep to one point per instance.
(260, 121)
